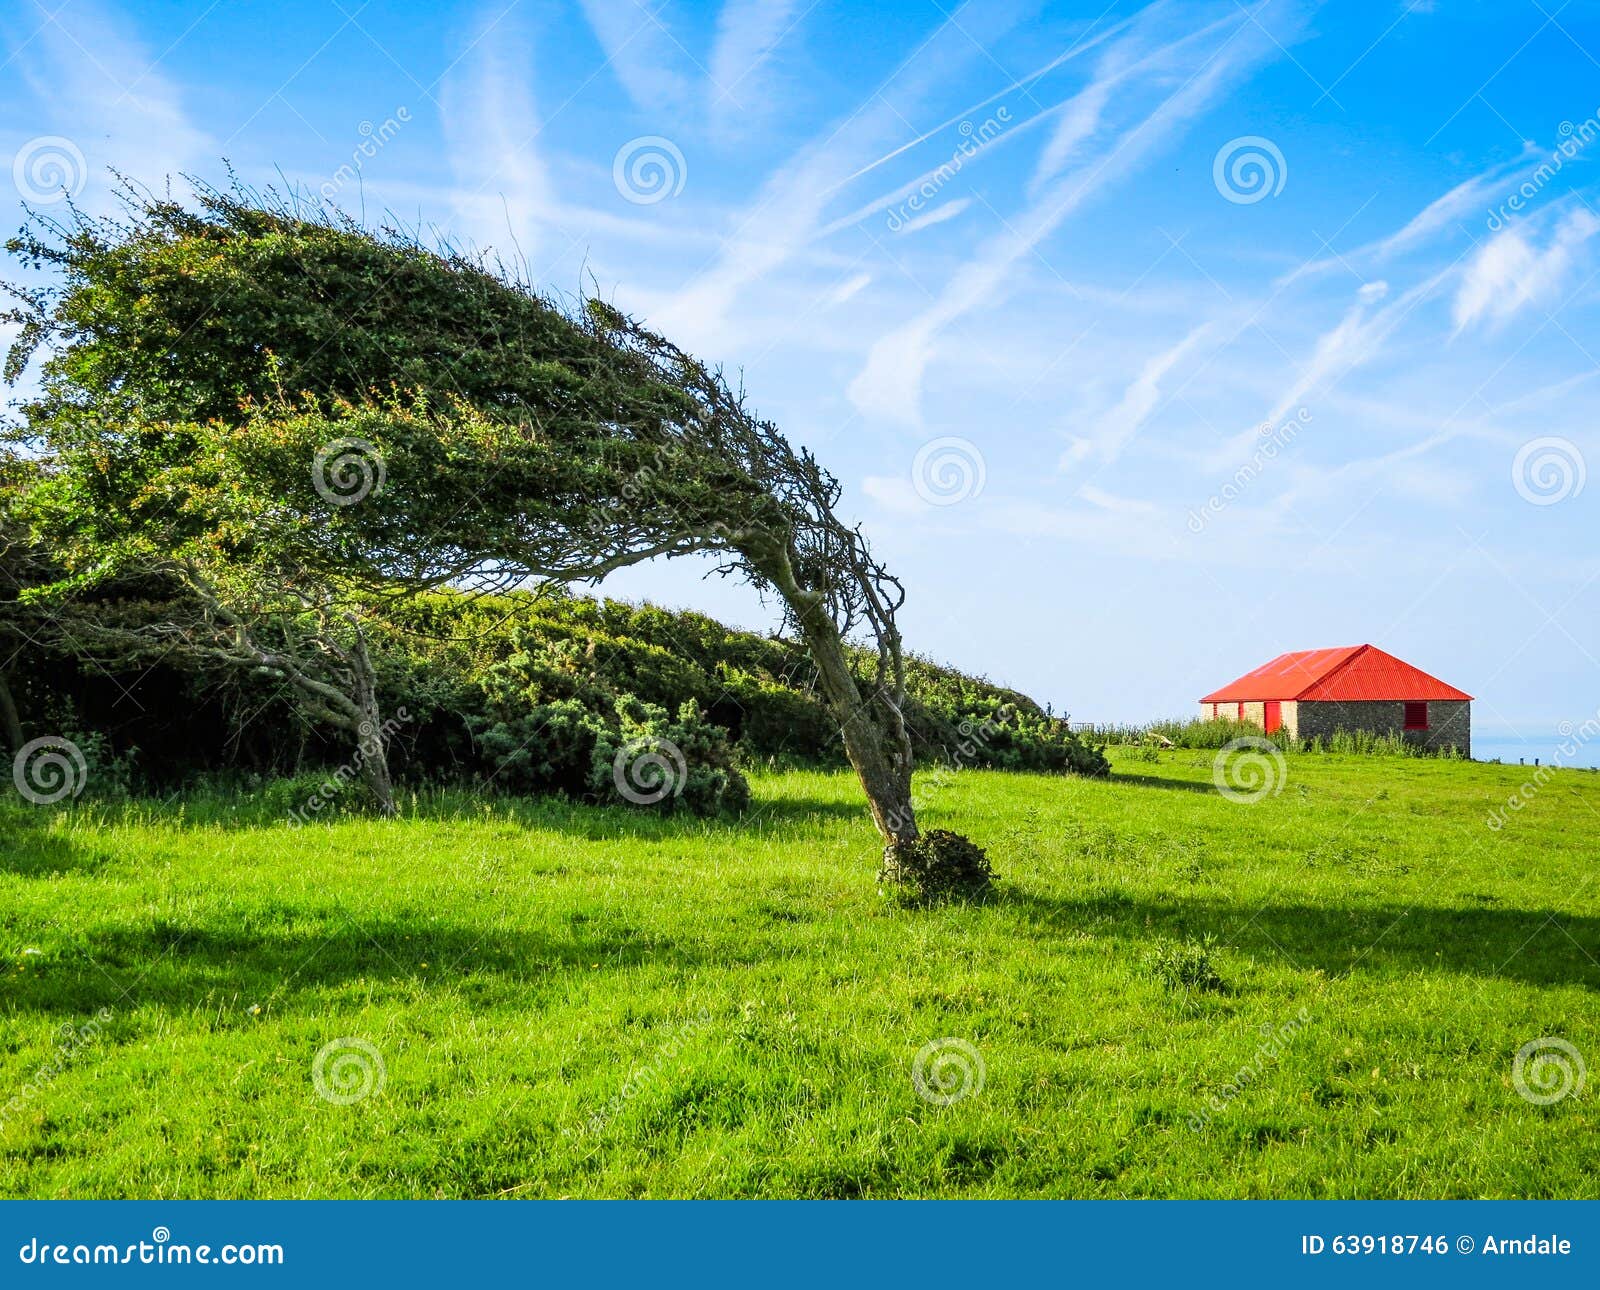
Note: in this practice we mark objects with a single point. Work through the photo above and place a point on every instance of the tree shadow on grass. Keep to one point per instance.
(30, 848)
(1119, 776)
(188, 966)
(27, 844)
(1536, 946)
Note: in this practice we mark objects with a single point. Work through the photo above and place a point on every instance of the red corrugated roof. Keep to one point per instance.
(1348, 674)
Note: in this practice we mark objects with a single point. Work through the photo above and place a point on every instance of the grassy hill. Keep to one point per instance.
(1319, 993)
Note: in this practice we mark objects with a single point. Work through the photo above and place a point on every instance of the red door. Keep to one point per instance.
(1272, 714)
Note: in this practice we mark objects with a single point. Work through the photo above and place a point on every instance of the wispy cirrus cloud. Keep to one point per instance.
(787, 214)
(642, 53)
(1440, 218)
(491, 121)
(748, 32)
(1114, 431)
(1517, 267)
(889, 385)
(100, 85)
(1359, 336)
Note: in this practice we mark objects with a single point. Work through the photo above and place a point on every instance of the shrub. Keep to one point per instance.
(654, 761)
(1198, 732)
(635, 755)
(518, 690)
(938, 866)
(771, 720)
(1216, 732)
(546, 747)
(1005, 736)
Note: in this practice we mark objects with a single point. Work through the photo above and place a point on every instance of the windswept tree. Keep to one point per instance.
(272, 354)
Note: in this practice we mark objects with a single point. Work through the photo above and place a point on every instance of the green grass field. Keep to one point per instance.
(575, 1002)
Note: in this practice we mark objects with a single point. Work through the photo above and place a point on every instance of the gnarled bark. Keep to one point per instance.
(371, 752)
(872, 725)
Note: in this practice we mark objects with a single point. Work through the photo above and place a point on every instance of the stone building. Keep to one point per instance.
(1358, 687)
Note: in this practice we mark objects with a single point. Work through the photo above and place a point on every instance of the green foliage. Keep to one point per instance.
(1008, 736)
(636, 754)
(1365, 743)
(664, 762)
(936, 868)
(548, 747)
(108, 776)
(514, 692)
(207, 370)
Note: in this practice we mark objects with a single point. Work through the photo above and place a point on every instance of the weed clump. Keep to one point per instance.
(1185, 965)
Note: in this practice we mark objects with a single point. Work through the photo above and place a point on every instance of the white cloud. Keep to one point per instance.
(1438, 217)
(786, 215)
(1439, 214)
(490, 120)
(641, 53)
(1512, 270)
(890, 383)
(1080, 119)
(848, 288)
(1121, 64)
(1357, 338)
(938, 215)
(747, 33)
(1102, 500)
(102, 89)
(1118, 427)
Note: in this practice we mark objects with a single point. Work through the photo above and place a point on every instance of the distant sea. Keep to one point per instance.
(1550, 749)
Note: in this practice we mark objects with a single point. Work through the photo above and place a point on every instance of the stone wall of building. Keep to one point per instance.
(1449, 721)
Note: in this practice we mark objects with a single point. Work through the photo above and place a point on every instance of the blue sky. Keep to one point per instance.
(1148, 341)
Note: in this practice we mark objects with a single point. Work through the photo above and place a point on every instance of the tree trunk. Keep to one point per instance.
(9, 717)
(371, 752)
(874, 731)
(880, 755)
(934, 866)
